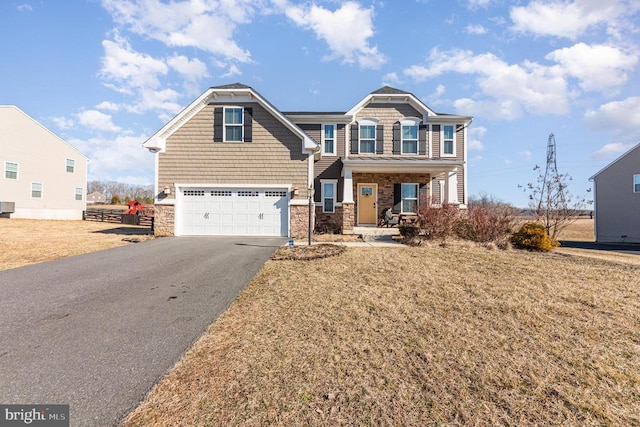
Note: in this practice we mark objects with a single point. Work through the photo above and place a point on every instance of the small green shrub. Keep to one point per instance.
(534, 237)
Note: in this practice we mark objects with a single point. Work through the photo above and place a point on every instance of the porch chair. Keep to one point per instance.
(388, 218)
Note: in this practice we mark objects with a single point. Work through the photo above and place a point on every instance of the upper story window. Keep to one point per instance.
(636, 183)
(71, 165)
(36, 190)
(367, 137)
(448, 146)
(10, 170)
(409, 135)
(329, 140)
(233, 124)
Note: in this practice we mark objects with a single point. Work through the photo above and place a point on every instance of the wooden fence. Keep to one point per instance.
(117, 216)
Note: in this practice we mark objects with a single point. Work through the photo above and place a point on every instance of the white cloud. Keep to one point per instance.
(109, 106)
(205, 25)
(512, 88)
(391, 79)
(114, 158)
(570, 19)
(475, 134)
(94, 119)
(126, 69)
(191, 69)
(526, 154)
(62, 122)
(232, 70)
(475, 29)
(478, 3)
(611, 149)
(24, 7)
(622, 116)
(346, 30)
(598, 67)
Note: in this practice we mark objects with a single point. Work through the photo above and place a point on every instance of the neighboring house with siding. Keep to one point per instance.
(96, 197)
(45, 177)
(232, 163)
(617, 199)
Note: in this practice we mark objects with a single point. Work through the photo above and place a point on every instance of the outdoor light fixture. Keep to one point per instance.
(167, 190)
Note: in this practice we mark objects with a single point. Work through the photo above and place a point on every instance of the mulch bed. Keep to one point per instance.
(307, 253)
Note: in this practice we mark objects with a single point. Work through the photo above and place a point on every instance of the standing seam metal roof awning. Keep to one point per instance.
(399, 165)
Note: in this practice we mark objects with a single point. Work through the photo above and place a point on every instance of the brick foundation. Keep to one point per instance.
(164, 220)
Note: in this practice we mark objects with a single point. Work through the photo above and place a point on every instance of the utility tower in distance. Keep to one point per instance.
(551, 178)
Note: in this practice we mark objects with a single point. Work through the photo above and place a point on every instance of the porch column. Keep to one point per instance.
(445, 197)
(347, 190)
(348, 219)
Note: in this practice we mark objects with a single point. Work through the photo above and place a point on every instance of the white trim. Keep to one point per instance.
(442, 153)
(430, 138)
(335, 139)
(17, 170)
(232, 185)
(634, 182)
(333, 182)
(368, 121)
(224, 123)
(410, 121)
(465, 198)
(443, 190)
(347, 185)
(158, 141)
(402, 198)
(75, 194)
(41, 190)
(399, 98)
(66, 165)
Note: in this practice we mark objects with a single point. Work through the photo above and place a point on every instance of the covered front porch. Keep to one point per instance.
(401, 185)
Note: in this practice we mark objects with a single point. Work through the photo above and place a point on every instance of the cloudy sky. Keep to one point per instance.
(106, 74)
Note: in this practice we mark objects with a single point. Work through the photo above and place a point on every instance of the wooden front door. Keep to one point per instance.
(367, 206)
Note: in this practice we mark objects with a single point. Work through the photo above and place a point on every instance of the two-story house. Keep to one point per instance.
(43, 177)
(231, 163)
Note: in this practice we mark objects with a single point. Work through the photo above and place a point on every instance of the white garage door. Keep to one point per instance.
(233, 211)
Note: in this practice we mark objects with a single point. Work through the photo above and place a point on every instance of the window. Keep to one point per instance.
(79, 193)
(233, 124)
(448, 147)
(367, 138)
(36, 190)
(409, 198)
(10, 170)
(329, 140)
(636, 183)
(409, 136)
(329, 195)
(71, 165)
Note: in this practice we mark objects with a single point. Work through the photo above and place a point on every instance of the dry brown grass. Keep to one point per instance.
(431, 335)
(580, 230)
(26, 241)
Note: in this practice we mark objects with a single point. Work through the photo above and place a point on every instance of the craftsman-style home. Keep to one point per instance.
(231, 163)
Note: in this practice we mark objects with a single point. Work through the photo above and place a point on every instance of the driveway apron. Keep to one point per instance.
(96, 331)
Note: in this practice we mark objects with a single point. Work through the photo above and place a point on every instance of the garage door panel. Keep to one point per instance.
(246, 212)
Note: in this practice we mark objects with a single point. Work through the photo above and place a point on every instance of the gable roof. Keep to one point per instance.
(7, 110)
(233, 93)
(388, 94)
(632, 149)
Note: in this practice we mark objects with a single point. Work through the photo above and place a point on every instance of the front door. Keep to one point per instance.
(367, 198)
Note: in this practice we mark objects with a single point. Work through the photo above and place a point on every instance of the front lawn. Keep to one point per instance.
(432, 335)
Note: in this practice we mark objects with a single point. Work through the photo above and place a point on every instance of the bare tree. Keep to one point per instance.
(553, 204)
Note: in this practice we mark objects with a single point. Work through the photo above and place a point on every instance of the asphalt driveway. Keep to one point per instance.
(96, 331)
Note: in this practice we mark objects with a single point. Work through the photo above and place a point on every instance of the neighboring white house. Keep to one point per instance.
(96, 198)
(617, 199)
(42, 175)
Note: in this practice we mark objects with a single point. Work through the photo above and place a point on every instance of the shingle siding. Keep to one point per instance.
(273, 157)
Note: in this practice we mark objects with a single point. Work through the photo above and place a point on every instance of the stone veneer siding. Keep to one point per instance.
(348, 218)
(327, 222)
(299, 221)
(164, 220)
